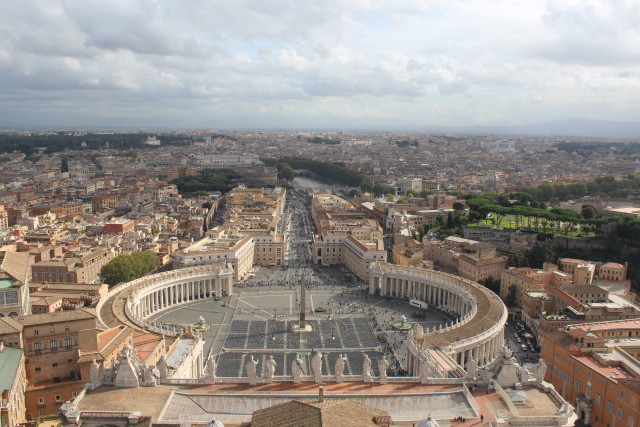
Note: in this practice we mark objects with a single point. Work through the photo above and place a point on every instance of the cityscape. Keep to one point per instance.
(278, 214)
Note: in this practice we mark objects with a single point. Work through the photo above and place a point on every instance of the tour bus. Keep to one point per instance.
(418, 303)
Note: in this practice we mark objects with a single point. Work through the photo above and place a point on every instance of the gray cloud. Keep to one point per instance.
(456, 62)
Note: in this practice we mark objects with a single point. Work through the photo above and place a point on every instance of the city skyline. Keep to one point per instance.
(332, 64)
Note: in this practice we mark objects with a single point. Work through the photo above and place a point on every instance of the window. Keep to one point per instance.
(55, 365)
(38, 369)
(577, 385)
(633, 401)
(41, 411)
(74, 394)
(569, 380)
(36, 332)
(631, 421)
(58, 397)
(620, 413)
(52, 331)
(69, 360)
(598, 398)
(37, 346)
(66, 329)
(67, 343)
(41, 401)
(53, 344)
(609, 406)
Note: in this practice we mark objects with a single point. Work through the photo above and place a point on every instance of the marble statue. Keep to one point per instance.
(424, 371)
(270, 368)
(316, 365)
(524, 375)
(147, 375)
(163, 367)
(94, 371)
(541, 370)
(471, 368)
(211, 367)
(507, 352)
(251, 370)
(419, 331)
(366, 368)
(339, 368)
(296, 368)
(383, 364)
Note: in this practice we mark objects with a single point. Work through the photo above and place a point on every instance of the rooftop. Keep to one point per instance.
(6, 283)
(9, 365)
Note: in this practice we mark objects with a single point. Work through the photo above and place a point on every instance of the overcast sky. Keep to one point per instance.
(317, 63)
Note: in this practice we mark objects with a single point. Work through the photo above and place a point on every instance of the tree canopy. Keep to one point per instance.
(125, 268)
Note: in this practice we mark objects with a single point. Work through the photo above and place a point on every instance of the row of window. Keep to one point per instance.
(52, 331)
(53, 344)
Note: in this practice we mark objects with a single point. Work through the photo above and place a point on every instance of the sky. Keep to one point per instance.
(370, 64)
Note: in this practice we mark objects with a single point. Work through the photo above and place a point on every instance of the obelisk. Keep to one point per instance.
(303, 303)
(302, 326)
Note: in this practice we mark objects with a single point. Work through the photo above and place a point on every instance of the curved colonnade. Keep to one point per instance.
(477, 335)
(150, 294)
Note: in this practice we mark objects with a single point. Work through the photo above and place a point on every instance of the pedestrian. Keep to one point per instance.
(481, 418)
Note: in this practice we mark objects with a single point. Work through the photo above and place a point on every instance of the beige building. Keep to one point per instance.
(612, 271)
(468, 258)
(345, 236)
(410, 253)
(527, 279)
(222, 245)
(583, 272)
(249, 234)
(51, 343)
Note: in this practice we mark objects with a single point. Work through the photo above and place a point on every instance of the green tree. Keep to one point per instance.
(125, 268)
(539, 254)
(285, 171)
(588, 211)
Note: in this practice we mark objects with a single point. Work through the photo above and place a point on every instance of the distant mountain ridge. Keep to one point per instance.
(568, 127)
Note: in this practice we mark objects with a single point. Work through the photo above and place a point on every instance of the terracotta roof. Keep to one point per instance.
(16, 264)
(329, 412)
(9, 326)
(58, 316)
(108, 341)
(561, 338)
(582, 289)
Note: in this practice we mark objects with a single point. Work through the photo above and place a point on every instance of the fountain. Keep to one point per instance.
(402, 325)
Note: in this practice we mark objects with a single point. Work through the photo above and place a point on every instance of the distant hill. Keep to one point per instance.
(569, 127)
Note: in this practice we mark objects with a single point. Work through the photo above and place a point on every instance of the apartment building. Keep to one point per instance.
(345, 236)
(467, 258)
(595, 367)
(531, 279)
(221, 245)
(51, 342)
(83, 268)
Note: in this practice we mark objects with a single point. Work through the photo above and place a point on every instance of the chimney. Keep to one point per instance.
(321, 393)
